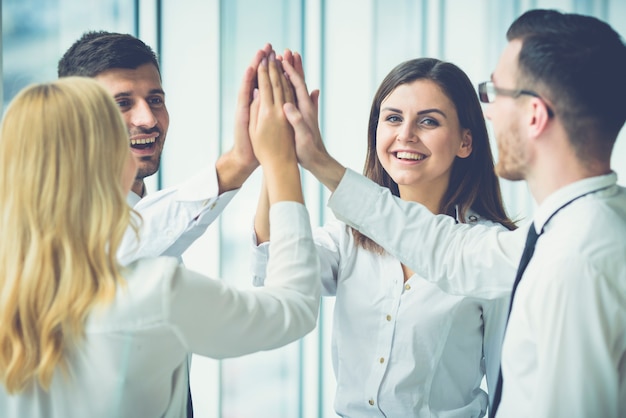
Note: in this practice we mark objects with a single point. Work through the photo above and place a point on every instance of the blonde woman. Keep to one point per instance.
(83, 337)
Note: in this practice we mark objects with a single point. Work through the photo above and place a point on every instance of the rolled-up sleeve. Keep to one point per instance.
(173, 218)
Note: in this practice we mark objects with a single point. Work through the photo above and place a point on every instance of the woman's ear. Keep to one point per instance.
(466, 144)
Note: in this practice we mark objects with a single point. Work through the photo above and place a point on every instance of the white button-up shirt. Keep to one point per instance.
(564, 354)
(173, 218)
(403, 349)
(132, 361)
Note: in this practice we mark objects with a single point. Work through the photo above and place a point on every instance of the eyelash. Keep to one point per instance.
(432, 122)
(396, 118)
(155, 101)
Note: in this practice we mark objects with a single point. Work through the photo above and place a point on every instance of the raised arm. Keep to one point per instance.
(262, 216)
(272, 135)
(286, 308)
(310, 148)
(450, 255)
(235, 166)
(173, 218)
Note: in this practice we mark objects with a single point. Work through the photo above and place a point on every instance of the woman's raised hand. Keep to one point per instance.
(271, 133)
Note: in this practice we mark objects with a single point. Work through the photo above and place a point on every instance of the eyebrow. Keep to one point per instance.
(129, 94)
(421, 112)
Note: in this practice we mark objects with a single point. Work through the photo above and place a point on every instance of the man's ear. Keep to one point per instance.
(466, 144)
(540, 116)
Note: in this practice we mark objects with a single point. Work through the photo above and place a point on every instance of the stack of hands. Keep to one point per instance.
(277, 120)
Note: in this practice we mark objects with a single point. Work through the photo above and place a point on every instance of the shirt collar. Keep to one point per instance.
(568, 193)
(132, 199)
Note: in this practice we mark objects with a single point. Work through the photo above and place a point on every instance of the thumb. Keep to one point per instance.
(294, 117)
(315, 98)
(254, 111)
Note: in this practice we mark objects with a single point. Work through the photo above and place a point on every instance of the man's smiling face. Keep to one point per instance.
(140, 96)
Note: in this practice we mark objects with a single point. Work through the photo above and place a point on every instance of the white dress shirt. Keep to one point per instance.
(564, 354)
(402, 349)
(132, 360)
(173, 218)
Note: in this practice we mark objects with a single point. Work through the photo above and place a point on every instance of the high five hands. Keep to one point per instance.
(301, 112)
(271, 135)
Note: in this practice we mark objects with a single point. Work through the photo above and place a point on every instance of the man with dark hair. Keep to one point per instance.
(557, 105)
(173, 218)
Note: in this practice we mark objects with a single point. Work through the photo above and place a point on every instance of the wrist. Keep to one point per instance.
(327, 170)
(283, 182)
(232, 172)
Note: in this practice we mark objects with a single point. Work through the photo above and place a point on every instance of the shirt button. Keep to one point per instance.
(388, 317)
(382, 360)
(371, 402)
(407, 286)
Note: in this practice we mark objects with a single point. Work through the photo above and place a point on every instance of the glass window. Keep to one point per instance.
(36, 33)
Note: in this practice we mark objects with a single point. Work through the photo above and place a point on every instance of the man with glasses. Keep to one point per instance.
(557, 103)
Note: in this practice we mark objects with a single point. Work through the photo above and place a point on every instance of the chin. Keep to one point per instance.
(144, 172)
(509, 174)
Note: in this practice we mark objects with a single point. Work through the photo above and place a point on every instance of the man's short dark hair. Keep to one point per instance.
(579, 64)
(98, 51)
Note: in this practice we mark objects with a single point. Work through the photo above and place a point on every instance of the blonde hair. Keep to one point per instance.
(63, 213)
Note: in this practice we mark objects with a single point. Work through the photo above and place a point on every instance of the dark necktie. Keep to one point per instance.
(529, 250)
(189, 404)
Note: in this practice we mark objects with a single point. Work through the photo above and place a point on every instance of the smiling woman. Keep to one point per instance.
(402, 347)
(418, 137)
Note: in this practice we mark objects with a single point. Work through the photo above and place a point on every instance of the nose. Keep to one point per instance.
(406, 132)
(142, 115)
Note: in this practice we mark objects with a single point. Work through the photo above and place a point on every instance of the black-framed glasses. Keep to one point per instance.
(487, 93)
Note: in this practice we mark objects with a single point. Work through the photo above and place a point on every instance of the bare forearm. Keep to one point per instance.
(283, 182)
(262, 216)
(231, 172)
(327, 170)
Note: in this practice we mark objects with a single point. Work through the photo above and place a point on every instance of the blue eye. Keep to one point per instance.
(430, 122)
(156, 101)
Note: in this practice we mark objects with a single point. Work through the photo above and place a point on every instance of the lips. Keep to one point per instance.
(408, 155)
(142, 143)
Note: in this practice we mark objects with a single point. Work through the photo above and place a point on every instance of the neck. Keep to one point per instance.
(139, 187)
(551, 174)
(430, 197)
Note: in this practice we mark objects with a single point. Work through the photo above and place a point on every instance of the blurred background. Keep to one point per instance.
(204, 46)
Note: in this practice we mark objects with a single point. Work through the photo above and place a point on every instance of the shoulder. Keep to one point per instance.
(139, 301)
(150, 267)
(591, 226)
